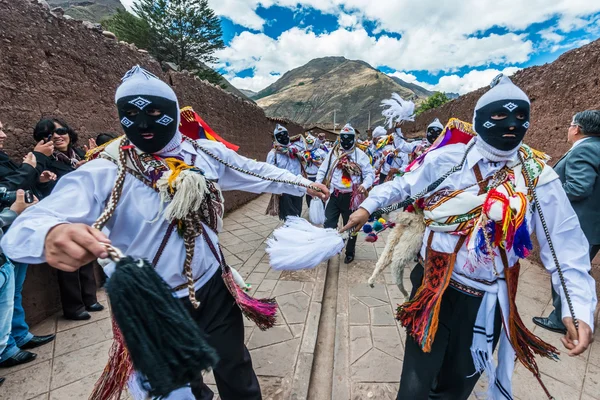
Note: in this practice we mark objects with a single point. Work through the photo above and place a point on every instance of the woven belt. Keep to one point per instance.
(337, 192)
(466, 289)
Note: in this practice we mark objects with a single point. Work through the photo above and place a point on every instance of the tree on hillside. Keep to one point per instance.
(436, 100)
(129, 28)
(186, 31)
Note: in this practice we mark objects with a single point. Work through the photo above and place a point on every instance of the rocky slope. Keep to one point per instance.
(310, 94)
(87, 10)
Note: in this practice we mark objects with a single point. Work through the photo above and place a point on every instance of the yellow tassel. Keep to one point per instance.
(176, 167)
(461, 126)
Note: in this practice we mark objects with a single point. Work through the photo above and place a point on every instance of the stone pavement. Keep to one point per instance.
(366, 348)
(370, 343)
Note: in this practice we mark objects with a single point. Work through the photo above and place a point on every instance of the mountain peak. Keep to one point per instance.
(353, 89)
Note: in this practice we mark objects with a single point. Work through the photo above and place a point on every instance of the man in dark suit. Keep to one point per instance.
(579, 172)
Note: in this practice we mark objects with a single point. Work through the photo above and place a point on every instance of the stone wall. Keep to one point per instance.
(52, 66)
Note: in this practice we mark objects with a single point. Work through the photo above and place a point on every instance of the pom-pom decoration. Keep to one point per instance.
(367, 228)
(371, 238)
(300, 245)
(381, 221)
(377, 226)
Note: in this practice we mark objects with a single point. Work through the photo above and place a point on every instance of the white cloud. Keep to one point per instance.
(454, 83)
(348, 20)
(470, 81)
(435, 36)
(296, 47)
(256, 83)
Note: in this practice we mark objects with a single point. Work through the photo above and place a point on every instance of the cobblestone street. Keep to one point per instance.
(351, 350)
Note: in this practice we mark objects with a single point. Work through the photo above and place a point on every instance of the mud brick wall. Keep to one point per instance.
(51, 66)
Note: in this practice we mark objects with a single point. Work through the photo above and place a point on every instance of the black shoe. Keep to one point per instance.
(547, 323)
(2, 381)
(37, 341)
(348, 259)
(95, 307)
(82, 316)
(22, 357)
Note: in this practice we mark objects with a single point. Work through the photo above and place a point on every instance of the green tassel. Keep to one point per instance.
(164, 342)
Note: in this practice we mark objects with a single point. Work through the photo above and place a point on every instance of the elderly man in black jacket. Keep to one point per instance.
(579, 172)
(13, 177)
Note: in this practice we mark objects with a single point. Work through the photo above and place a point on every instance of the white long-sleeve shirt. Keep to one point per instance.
(286, 162)
(79, 197)
(568, 239)
(404, 146)
(358, 156)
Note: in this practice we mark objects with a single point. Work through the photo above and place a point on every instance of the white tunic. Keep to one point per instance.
(284, 161)
(568, 239)
(358, 156)
(79, 197)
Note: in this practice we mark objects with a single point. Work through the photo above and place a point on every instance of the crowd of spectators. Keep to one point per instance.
(55, 154)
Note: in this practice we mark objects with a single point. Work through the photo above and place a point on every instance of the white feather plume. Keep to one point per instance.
(316, 212)
(300, 245)
(398, 110)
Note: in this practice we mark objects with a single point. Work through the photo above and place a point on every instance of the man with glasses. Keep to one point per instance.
(579, 172)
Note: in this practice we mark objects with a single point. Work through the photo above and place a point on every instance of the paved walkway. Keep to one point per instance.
(361, 359)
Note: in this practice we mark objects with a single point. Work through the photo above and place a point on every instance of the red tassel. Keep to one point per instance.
(525, 343)
(119, 368)
(260, 311)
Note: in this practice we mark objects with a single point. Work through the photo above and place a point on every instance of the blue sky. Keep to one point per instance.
(451, 45)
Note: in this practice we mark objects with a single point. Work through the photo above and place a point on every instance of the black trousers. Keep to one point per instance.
(289, 206)
(382, 177)
(444, 372)
(309, 198)
(220, 319)
(77, 289)
(340, 205)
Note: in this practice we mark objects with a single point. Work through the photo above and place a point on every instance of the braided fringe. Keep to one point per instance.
(260, 311)
(190, 243)
(115, 195)
(111, 383)
(523, 341)
(273, 207)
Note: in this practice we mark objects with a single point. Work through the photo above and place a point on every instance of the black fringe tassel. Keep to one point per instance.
(164, 342)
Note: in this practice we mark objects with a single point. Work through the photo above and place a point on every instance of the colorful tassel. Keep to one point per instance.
(420, 315)
(260, 311)
(357, 198)
(346, 180)
(525, 343)
(119, 368)
(522, 244)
